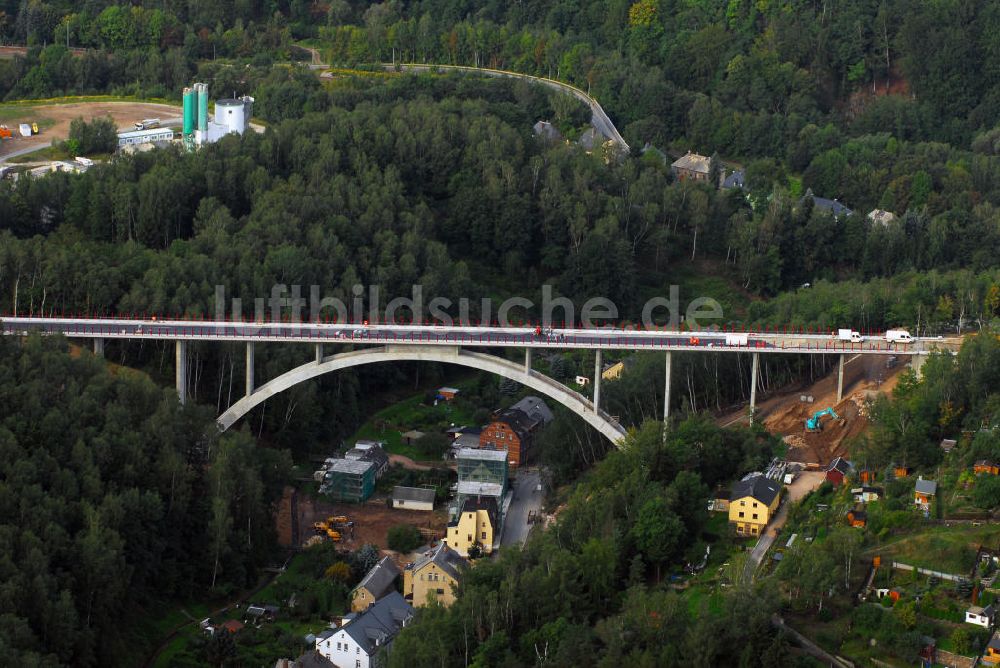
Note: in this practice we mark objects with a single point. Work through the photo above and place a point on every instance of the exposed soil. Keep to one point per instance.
(785, 414)
(125, 114)
(372, 520)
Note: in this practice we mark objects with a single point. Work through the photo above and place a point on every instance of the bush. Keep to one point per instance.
(404, 538)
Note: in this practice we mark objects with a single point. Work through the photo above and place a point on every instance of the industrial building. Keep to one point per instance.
(349, 480)
(476, 465)
(135, 137)
(231, 116)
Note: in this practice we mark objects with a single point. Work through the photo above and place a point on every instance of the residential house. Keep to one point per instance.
(691, 166)
(857, 518)
(923, 493)
(986, 466)
(447, 393)
(514, 429)
(992, 654)
(476, 524)
(349, 480)
(613, 371)
(546, 131)
(377, 583)
(980, 616)
(735, 180)
(433, 576)
(370, 451)
(838, 471)
(866, 494)
(831, 206)
(582, 381)
(469, 438)
(752, 504)
(413, 498)
(948, 444)
(363, 636)
(591, 139)
(880, 217)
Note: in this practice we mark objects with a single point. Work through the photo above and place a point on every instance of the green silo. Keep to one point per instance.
(190, 111)
(202, 107)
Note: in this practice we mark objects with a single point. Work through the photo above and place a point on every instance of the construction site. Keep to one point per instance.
(787, 412)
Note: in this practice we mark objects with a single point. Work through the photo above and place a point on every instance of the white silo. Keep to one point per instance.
(231, 114)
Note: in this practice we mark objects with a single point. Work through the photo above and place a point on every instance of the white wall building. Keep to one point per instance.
(362, 639)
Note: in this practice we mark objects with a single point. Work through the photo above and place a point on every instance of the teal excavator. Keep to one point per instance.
(814, 424)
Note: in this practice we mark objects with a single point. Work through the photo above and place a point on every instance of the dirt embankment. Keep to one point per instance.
(785, 414)
(372, 520)
(124, 114)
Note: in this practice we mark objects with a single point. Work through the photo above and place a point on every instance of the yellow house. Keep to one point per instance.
(613, 371)
(433, 576)
(476, 523)
(752, 504)
(376, 583)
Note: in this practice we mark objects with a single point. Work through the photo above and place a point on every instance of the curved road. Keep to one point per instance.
(599, 118)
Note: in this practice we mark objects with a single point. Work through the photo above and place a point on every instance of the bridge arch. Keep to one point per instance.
(576, 402)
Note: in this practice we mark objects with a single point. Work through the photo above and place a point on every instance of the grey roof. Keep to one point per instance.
(518, 421)
(840, 464)
(829, 205)
(977, 610)
(350, 466)
(735, 180)
(487, 503)
(590, 139)
(313, 660)
(995, 640)
(926, 486)
(379, 580)
(948, 443)
(535, 408)
(413, 494)
(445, 558)
(379, 624)
(760, 488)
(546, 130)
(467, 440)
(473, 488)
(693, 162)
(483, 454)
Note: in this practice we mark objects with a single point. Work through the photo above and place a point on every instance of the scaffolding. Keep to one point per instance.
(349, 480)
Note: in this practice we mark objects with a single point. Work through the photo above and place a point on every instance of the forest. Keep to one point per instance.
(115, 500)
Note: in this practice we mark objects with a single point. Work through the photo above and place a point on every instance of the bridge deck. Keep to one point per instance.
(477, 336)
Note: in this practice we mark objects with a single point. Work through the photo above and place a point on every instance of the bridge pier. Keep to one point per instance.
(99, 347)
(527, 361)
(840, 379)
(319, 353)
(180, 350)
(597, 382)
(753, 385)
(666, 394)
(917, 363)
(249, 368)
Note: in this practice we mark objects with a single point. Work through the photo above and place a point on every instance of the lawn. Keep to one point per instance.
(942, 548)
(409, 414)
(10, 114)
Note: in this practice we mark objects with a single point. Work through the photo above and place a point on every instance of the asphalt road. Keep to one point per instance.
(526, 498)
(519, 337)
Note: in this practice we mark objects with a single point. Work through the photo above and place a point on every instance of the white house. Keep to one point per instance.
(363, 637)
(980, 616)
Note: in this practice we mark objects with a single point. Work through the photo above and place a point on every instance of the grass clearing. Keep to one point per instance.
(950, 549)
